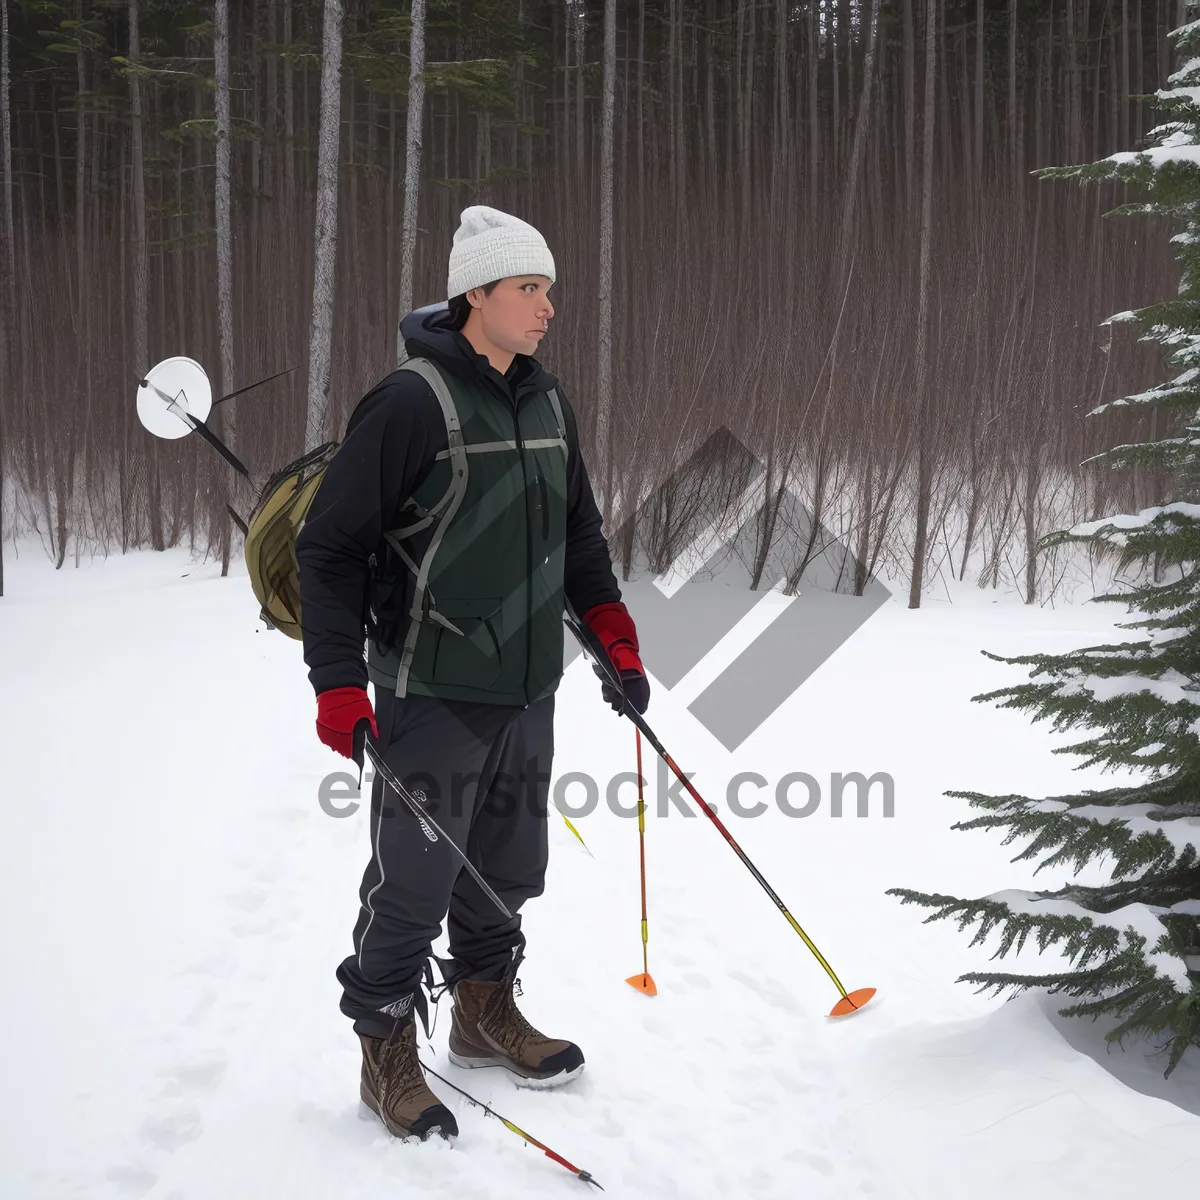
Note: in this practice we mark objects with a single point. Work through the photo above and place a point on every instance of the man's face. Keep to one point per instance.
(516, 316)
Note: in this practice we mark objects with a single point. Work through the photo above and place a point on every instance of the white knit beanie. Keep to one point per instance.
(490, 245)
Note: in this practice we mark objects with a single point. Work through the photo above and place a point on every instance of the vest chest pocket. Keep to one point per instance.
(471, 658)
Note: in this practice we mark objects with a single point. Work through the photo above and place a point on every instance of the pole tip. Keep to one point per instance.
(851, 1002)
(643, 983)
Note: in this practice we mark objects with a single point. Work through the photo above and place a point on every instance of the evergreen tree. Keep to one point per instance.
(1132, 943)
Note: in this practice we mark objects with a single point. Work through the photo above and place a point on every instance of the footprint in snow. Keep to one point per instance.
(134, 1181)
(818, 1162)
(172, 1130)
(200, 1076)
(248, 900)
(658, 1027)
(768, 989)
(609, 1126)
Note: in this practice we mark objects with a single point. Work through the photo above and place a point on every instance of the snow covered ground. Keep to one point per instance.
(175, 902)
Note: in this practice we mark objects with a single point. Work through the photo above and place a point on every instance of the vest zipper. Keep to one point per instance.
(543, 505)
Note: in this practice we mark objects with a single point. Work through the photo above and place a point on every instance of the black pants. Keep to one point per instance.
(484, 770)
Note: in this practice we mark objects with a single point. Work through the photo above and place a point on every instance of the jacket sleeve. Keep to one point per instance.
(588, 576)
(390, 445)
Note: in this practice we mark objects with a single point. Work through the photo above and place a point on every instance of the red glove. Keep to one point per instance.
(613, 626)
(339, 712)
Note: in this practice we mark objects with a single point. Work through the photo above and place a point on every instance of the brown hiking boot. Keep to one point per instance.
(488, 1030)
(393, 1087)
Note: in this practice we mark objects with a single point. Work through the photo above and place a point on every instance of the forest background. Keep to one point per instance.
(810, 224)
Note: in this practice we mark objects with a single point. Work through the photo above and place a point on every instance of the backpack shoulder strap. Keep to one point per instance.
(439, 516)
(456, 452)
(558, 414)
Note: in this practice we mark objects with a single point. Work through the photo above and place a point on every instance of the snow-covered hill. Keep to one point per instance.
(175, 902)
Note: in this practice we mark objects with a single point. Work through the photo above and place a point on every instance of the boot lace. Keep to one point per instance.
(400, 1076)
(503, 1007)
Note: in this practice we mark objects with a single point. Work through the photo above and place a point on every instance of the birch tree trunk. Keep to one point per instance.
(224, 158)
(604, 366)
(924, 451)
(325, 233)
(412, 165)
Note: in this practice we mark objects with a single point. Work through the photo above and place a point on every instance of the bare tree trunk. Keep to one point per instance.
(835, 35)
(289, 110)
(580, 57)
(641, 123)
(412, 164)
(224, 237)
(780, 139)
(604, 365)
(80, 179)
(679, 139)
(325, 234)
(814, 121)
(980, 57)
(561, 16)
(8, 290)
(861, 127)
(225, 421)
(910, 71)
(747, 132)
(80, 310)
(1124, 74)
(710, 98)
(924, 451)
(1014, 124)
(141, 264)
(270, 163)
(1073, 93)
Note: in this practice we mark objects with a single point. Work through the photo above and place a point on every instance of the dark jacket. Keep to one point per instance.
(391, 442)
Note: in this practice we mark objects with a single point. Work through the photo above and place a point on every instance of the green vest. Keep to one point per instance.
(484, 549)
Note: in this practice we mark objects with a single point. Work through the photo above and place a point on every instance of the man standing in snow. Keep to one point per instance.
(464, 609)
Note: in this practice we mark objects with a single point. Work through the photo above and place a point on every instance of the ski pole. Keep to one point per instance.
(251, 386)
(642, 982)
(578, 835)
(850, 1001)
(558, 1158)
(431, 829)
